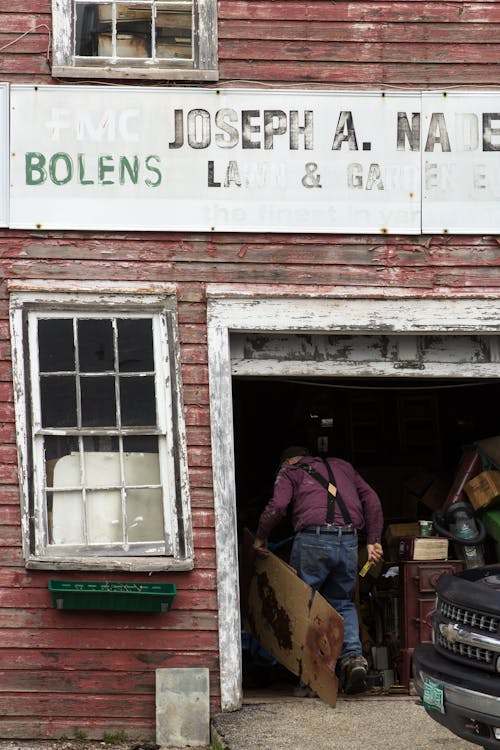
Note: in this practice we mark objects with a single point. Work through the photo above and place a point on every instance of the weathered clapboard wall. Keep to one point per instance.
(360, 43)
(95, 672)
(60, 671)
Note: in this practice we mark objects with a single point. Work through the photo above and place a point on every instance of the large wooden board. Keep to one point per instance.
(301, 630)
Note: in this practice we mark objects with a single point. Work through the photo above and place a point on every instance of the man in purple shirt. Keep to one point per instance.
(330, 504)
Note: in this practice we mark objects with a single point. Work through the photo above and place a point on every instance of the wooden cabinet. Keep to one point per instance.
(417, 597)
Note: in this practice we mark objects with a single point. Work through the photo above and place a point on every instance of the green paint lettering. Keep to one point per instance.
(35, 168)
(103, 169)
(131, 169)
(81, 171)
(58, 161)
(154, 170)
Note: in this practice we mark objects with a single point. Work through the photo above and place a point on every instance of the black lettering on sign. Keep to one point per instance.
(178, 129)
(305, 130)
(374, 178)
(247, 129)
(211, 179)
(198, 128)
(274, 124)
(490, 132)
(408, 132)
(438, 133)
(223, 118)
(345, 133)
(232, 175)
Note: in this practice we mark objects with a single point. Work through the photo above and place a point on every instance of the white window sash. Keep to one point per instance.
(175, 551)
(203, 67)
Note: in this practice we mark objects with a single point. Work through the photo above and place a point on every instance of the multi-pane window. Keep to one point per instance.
(168, 38)
(102, 449)
(132, 31)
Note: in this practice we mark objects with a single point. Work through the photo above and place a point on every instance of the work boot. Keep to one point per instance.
(353, 674)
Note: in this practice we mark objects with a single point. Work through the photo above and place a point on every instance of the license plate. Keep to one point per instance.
(433, 695)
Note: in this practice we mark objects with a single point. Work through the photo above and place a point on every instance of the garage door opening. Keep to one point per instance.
(404, 435)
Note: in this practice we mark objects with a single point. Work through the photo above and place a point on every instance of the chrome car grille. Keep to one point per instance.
(465, 650)
(477, 620)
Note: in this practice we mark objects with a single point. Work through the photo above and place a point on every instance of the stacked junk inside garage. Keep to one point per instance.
(429, 446)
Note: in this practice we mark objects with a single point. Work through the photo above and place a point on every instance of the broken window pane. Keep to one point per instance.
(142, 30)
(174, 30)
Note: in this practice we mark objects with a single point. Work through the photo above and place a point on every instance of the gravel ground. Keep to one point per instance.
(383, 723)
(75, 745)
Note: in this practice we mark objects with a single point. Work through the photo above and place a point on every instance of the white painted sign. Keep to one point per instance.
(124, 158)
(4, 151)
(461, 163)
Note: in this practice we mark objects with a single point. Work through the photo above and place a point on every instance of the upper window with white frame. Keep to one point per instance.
(103, 462)
(162, 39)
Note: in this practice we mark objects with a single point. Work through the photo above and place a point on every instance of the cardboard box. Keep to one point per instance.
(305, 637)
(395, 531)
(423, 548)
(484, 490)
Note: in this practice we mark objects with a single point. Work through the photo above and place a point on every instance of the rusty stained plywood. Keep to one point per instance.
(305, 638)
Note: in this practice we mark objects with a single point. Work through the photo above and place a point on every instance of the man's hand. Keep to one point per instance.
(260, 546)
(374, 552)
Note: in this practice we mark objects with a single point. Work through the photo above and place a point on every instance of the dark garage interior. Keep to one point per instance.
(402, 434)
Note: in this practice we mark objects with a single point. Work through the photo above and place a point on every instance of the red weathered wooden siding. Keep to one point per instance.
(345, 44)
(360, 43)
(57, 669)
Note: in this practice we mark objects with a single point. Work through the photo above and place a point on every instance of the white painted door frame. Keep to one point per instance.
(246, 309)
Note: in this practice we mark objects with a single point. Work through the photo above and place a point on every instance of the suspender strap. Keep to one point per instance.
(332, 492)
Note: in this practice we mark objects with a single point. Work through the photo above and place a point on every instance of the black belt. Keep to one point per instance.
(339, 530)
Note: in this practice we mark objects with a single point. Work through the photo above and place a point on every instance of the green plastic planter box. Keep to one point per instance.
(127, 597)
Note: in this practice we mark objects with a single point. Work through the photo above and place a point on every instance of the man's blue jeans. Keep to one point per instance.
(329, 564)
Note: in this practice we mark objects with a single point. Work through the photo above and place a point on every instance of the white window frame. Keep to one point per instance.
(204, 66)
(26, 306)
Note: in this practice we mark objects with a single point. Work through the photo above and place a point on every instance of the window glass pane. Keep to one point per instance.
(95, 345)
(144, 515)
(55, 447)
(135, 346)
(144, 506)
(102, 469)
(98, 401)
(87, 24)
(174, 30)
(58, 401)
(141, 468)
(133, 30)
(137, 401)
(100, 443)
(56, 351)
(104, 517)
(67, 514)
(140, 444)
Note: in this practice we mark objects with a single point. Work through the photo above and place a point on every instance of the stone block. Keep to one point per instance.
(182, 707)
